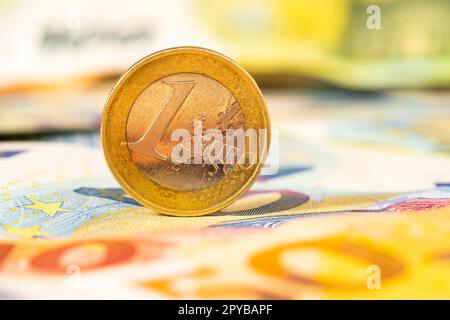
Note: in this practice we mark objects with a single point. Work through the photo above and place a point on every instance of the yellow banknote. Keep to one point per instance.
(383, 256)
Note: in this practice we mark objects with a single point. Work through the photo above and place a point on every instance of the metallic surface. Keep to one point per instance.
(206, 102)
(166, 91)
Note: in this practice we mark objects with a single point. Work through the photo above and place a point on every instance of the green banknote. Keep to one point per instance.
(349, 43)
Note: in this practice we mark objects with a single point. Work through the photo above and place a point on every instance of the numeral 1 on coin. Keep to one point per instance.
(147, 143)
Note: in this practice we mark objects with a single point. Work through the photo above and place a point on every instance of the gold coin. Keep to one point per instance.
(185, 131)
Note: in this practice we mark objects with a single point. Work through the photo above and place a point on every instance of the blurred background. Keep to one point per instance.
(59, 59)
(359, 98)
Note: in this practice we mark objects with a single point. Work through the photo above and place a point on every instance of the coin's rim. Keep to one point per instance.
(146, 202)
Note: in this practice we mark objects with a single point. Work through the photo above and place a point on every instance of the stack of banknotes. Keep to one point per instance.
(359, 207)
(348, 43)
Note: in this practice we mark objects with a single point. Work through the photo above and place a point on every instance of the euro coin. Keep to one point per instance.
(185, 131)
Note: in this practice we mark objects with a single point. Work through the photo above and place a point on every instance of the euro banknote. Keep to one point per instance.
(375, 256)
(346, 43)
(358, 208)
(53, 190)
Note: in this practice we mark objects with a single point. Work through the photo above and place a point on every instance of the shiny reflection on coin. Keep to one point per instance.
(185, 131)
